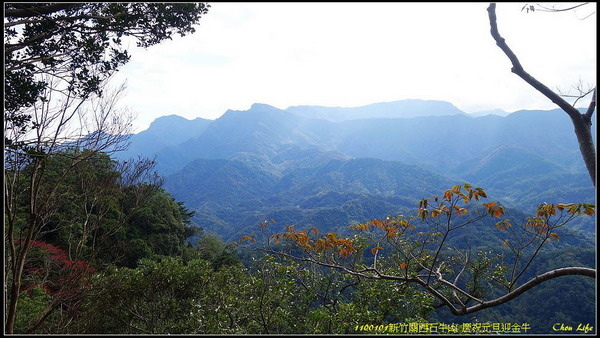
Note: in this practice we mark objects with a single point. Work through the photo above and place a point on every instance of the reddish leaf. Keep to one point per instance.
(375, 249)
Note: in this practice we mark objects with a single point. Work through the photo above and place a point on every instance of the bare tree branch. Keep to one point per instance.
(570, 271)
(423, 258)
(520, 71)
(56, 128)
(582, 125)
(543, 8)
(591, 107)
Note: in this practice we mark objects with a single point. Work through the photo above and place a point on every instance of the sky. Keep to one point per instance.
(354, 54)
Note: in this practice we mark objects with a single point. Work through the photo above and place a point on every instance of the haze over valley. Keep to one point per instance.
(333, 166)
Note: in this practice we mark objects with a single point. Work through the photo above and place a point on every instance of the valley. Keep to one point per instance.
(331, 167)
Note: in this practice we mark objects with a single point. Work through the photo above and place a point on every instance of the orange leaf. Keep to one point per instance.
(481, 192)
(490, 205)
(403, 265)
(589, 209)
(503, 225)
(375, 249)
(574, 209)
(422, 213)
(246, 238)
(448, 195)
(498, 212)
(391, 232)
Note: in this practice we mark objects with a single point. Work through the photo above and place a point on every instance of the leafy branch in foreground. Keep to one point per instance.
(79, 45)
(58, 60)
(417, 250)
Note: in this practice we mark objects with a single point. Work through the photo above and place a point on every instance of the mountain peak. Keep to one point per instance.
(262, 106)
(498, 112)
(256, 110)
(394, 109)
(167, 119)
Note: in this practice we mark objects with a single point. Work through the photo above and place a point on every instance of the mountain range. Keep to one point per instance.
(333, 166)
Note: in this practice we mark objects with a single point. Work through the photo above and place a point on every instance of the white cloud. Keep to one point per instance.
(349, 54)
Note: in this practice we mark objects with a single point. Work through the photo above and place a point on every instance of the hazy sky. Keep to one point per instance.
(352, 54)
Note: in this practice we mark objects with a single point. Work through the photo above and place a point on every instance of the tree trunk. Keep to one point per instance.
(15, 289)
(25, 244)
(581, 122)
(583, 130)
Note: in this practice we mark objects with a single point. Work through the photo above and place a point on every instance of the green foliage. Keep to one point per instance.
(160, 224)
(32, 305)
(565, 300)
(98, 216)
(157, 297)
(81, 44)
(151, 281)
(170, 296)
(84, 199)
(157, 228)
(212, 249)
(416, 249)
(371, 301)
(231, 197)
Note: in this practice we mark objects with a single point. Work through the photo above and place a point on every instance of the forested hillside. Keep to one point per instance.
(309, 167)
(115, 239)
(276, 150)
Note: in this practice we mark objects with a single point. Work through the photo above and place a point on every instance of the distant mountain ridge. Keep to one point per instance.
(498, 112)
(394, 109)
(432, 141)
(163, 133)
(328, 168)
(266, 161)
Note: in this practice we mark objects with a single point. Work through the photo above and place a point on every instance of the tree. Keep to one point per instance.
(211, 248)
(58, 59)
(156, 297)
(59, 280)
(156, 228)
(79, 44)
(171, 296)
(317, 300)
(582, 122)
(80, 209)
(418, 251)
(32, 190)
